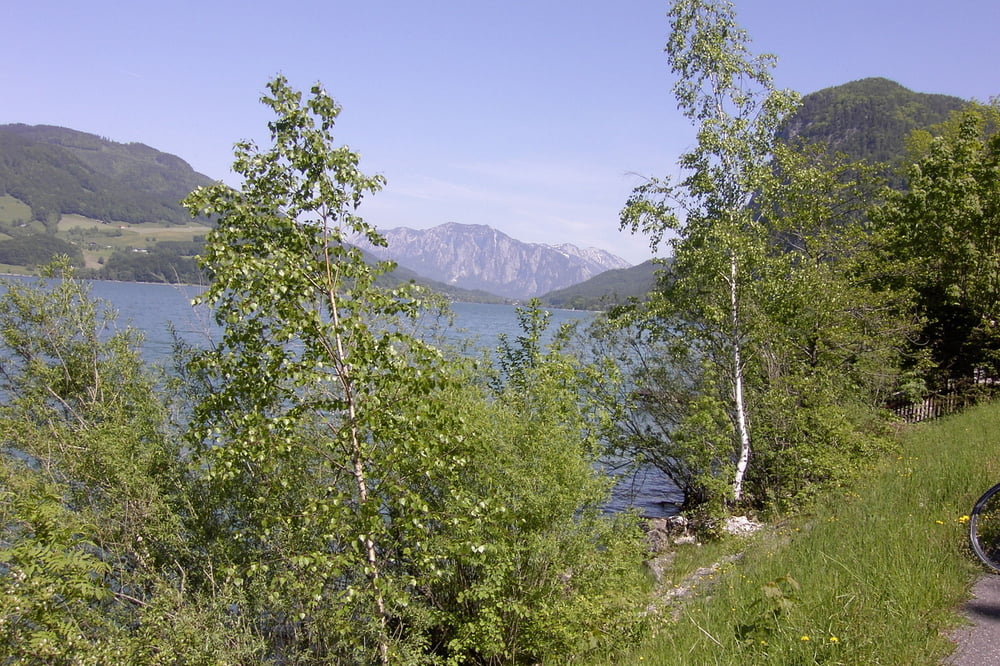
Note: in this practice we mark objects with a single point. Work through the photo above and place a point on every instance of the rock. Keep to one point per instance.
(658, 540)
(677, 523)
(658, 565)
(663, 533)
(740, 526)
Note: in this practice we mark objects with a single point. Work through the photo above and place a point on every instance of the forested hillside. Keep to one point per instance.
(58, 171)
(605, 289)
(868, 119)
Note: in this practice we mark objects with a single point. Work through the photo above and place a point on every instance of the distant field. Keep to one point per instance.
(98, 240)
(68, 222)
(13, 210)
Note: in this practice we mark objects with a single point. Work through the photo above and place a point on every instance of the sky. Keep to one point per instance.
(536, 117)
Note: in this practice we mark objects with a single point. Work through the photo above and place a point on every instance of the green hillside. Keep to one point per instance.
(868, 119)
(606, 289)
(57, 171)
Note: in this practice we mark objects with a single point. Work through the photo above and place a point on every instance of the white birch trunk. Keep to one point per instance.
(741, 416)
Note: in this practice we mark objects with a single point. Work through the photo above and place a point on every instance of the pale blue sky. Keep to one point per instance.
(531, 117)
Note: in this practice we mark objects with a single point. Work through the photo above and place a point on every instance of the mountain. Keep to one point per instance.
(868, 119)
(474, 256)
(401, 275)
(606, 289)
(58, 171)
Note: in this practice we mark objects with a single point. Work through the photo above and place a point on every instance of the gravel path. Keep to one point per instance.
(979, 644)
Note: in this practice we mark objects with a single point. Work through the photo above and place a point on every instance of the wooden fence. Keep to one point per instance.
(932, 407)
(957, 396)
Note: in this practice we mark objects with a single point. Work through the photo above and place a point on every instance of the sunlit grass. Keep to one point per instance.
(871, 575)
(11, 209)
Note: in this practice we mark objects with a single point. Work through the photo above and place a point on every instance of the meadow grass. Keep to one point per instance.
(99, 241)
(871, 573)
(12, 210)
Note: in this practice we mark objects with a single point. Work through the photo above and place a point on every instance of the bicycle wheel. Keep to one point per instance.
(984, 528)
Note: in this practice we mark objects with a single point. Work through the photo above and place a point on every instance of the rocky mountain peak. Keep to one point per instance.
(476, 256)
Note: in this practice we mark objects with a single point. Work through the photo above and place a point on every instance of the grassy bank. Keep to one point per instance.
(870, 575)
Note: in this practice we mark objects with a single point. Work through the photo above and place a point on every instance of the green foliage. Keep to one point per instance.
(944, 228)
(836, 339)
(364, 497)
(37, 250)
(52, 585)
(766, 613)
(556, 577)
(92, 517)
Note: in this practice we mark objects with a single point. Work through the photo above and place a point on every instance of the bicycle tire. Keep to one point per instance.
(984, 528)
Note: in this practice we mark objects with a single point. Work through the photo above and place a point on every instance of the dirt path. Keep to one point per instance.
(979, 644)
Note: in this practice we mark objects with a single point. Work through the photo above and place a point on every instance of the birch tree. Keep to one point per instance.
(367, 499)
(708, 218)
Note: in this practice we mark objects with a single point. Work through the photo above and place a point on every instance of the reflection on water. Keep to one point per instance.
(647, 490)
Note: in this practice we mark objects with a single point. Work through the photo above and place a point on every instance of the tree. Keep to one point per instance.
(367, 499)
(769, 339)
(835, 336)
(97, 561)
(946, 225)
(730, 96)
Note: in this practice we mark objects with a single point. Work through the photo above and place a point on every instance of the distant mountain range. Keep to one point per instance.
(115, 195)
(475, 256)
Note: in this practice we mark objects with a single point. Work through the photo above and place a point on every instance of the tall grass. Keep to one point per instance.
(870, 574)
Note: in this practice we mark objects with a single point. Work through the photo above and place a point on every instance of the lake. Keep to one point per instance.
(153, 308)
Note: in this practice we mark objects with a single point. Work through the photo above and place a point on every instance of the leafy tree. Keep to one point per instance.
(366, 499)
(37, 250)
(729, 94)
(835, 338)
(945, 224)
(760, 364)
(98, 564)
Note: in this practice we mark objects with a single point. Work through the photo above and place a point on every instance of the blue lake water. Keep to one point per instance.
(154, 308)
